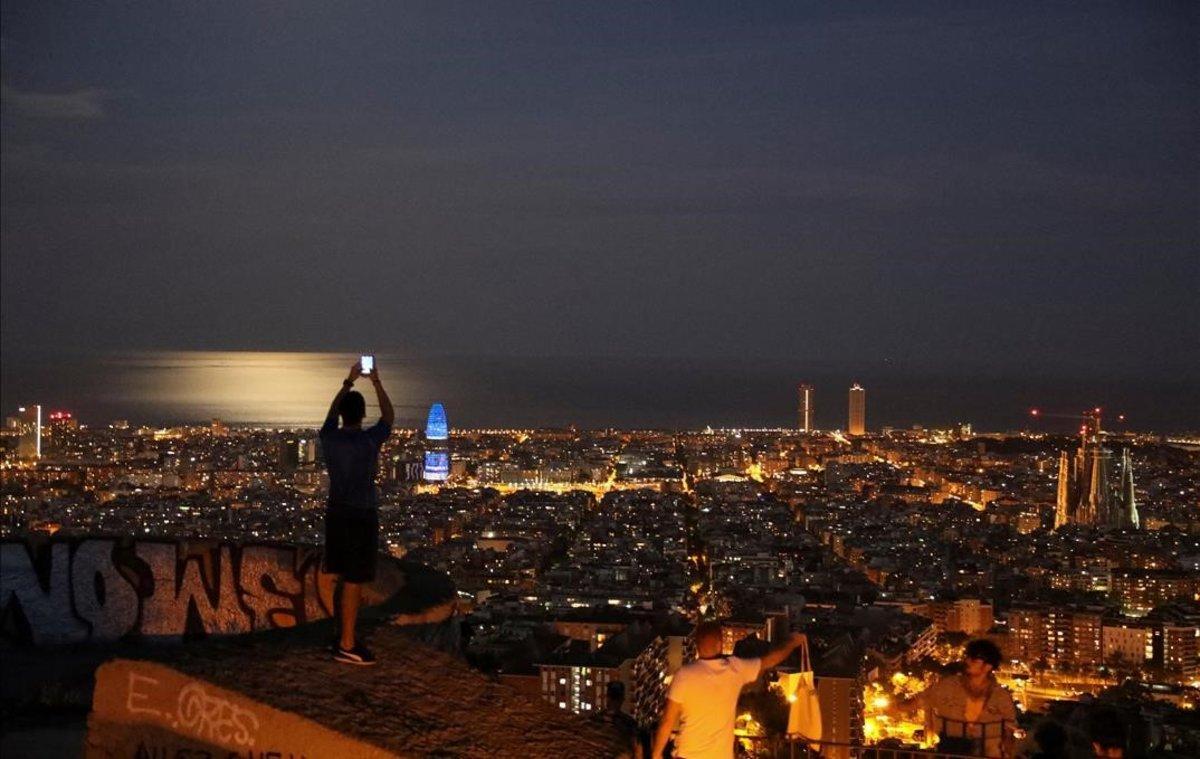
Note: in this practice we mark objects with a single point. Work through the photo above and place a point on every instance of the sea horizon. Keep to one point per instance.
(293, 389)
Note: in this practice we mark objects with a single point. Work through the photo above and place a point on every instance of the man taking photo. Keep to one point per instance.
(352, 511)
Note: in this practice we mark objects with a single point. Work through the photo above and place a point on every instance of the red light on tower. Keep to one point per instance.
(1034, 412)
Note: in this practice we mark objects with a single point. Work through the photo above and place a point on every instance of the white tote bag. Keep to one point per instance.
(804, 714)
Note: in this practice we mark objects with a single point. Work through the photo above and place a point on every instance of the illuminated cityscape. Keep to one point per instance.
(484, 379)
(584, 557)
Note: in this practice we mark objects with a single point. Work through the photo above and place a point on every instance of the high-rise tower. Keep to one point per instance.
(28, 423)
(858, 410)
(436, 426)
(805, 400)
(437, 451)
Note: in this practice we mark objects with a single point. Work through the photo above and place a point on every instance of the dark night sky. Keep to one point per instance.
(946, 185)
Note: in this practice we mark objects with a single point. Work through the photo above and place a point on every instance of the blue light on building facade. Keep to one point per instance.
(437, 466)
(437, 428)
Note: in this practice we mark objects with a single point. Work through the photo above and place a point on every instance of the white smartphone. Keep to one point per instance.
(367, 363)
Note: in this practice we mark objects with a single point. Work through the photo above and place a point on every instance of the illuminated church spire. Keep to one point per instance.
(1090, 492)
(1062, 510)
(1130, 517)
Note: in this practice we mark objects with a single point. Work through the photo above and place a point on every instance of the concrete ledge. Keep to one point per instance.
(146, 709)
(257, 696)
(34, 679)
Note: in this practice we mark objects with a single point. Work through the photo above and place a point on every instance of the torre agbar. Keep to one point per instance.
(437, 453)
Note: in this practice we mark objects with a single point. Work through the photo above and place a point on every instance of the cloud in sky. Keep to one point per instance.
(82, 104)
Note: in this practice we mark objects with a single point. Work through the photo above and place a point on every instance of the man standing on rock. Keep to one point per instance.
(352, 513)
(703, 695)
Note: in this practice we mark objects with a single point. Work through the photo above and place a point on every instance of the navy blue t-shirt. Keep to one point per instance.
(352, 459)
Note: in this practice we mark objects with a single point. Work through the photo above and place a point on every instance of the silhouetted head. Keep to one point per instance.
(616, 694)
(982, 657)
(1106, 730)
(352, 409)
(1051, 739)
(708, 639)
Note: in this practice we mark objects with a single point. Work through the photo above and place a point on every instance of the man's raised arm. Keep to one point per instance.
(387, 414)
(331, 415)
(775, 657)
(665, 726)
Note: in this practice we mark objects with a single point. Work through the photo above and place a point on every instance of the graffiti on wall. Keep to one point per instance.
(142, 709)
(101, 589)
(195, 712)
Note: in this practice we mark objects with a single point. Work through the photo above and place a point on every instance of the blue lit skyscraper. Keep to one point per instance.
(436, 427)
(437, 454)
(437, 466)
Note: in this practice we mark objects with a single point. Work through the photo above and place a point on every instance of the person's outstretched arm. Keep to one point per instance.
(332, 414)
(775, 657)
(387, 414)
(665, 726)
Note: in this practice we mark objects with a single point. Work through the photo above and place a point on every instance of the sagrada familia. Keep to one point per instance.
(1093, 488)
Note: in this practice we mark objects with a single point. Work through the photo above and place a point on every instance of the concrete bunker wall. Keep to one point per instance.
(101, 590)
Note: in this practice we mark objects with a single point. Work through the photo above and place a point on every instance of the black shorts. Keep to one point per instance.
(352, 545)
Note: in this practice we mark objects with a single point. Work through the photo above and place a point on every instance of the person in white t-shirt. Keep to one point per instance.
(703, 696)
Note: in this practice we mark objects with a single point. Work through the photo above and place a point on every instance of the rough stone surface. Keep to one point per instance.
(418, 701)
(146, 709)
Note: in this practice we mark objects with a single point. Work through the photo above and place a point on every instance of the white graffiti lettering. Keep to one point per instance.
(137, 697)
(215, 718)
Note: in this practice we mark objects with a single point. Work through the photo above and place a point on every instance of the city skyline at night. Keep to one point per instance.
(613, 485)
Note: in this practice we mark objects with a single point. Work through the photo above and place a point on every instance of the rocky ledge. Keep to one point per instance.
(281, 694)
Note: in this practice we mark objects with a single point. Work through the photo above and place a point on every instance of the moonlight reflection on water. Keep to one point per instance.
(275, 388)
